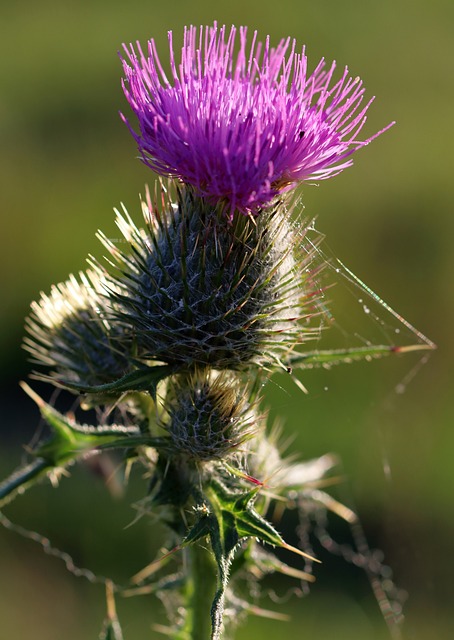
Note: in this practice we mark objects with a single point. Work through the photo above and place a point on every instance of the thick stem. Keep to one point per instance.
(201, 590)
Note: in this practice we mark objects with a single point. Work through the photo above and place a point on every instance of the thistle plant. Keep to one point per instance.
(171, 337)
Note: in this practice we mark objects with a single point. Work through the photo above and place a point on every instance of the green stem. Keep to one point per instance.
(201, 590)
(21, 479)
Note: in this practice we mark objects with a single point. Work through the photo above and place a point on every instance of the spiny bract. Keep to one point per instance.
(69, 334)
(198, 288)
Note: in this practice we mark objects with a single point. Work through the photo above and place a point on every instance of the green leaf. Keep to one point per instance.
(345, 356)
(68, 441)
(69, 438)
(143, 379)
(240, 519)
(227, 517)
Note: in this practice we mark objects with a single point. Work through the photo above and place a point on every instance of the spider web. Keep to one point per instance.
(355, 322)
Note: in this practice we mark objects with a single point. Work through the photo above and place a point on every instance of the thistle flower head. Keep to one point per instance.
(68, 333)
(283, 473)
(208, 415)
(200, 290)
(242, 124)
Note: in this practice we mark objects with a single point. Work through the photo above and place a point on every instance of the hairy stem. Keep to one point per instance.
(201, 590)
(21, 479)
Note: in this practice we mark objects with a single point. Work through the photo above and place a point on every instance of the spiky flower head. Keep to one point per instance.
(69, 333)
(208, 415)
(283, 474)
(242, 123)
(198, 289)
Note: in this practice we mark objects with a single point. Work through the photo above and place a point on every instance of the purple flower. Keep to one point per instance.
(242, 127)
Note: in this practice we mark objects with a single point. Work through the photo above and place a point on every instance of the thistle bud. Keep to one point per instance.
(69, 333)
(208, 416)
(201, 288)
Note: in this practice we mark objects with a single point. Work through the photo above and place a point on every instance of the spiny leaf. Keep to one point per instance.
(67, 441)
(227, 517)
(242, 474)
(344, 356)
(143, 379)
(237, 510)
(68, 438)
(22, 479)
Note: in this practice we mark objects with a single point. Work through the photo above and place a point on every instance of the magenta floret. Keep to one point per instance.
(242, 124)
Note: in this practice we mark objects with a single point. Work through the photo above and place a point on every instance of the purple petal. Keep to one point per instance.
(242, 126)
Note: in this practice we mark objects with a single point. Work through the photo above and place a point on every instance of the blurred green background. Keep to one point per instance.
(66, 160)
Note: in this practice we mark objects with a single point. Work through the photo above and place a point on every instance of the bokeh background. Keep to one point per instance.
(66, 160)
